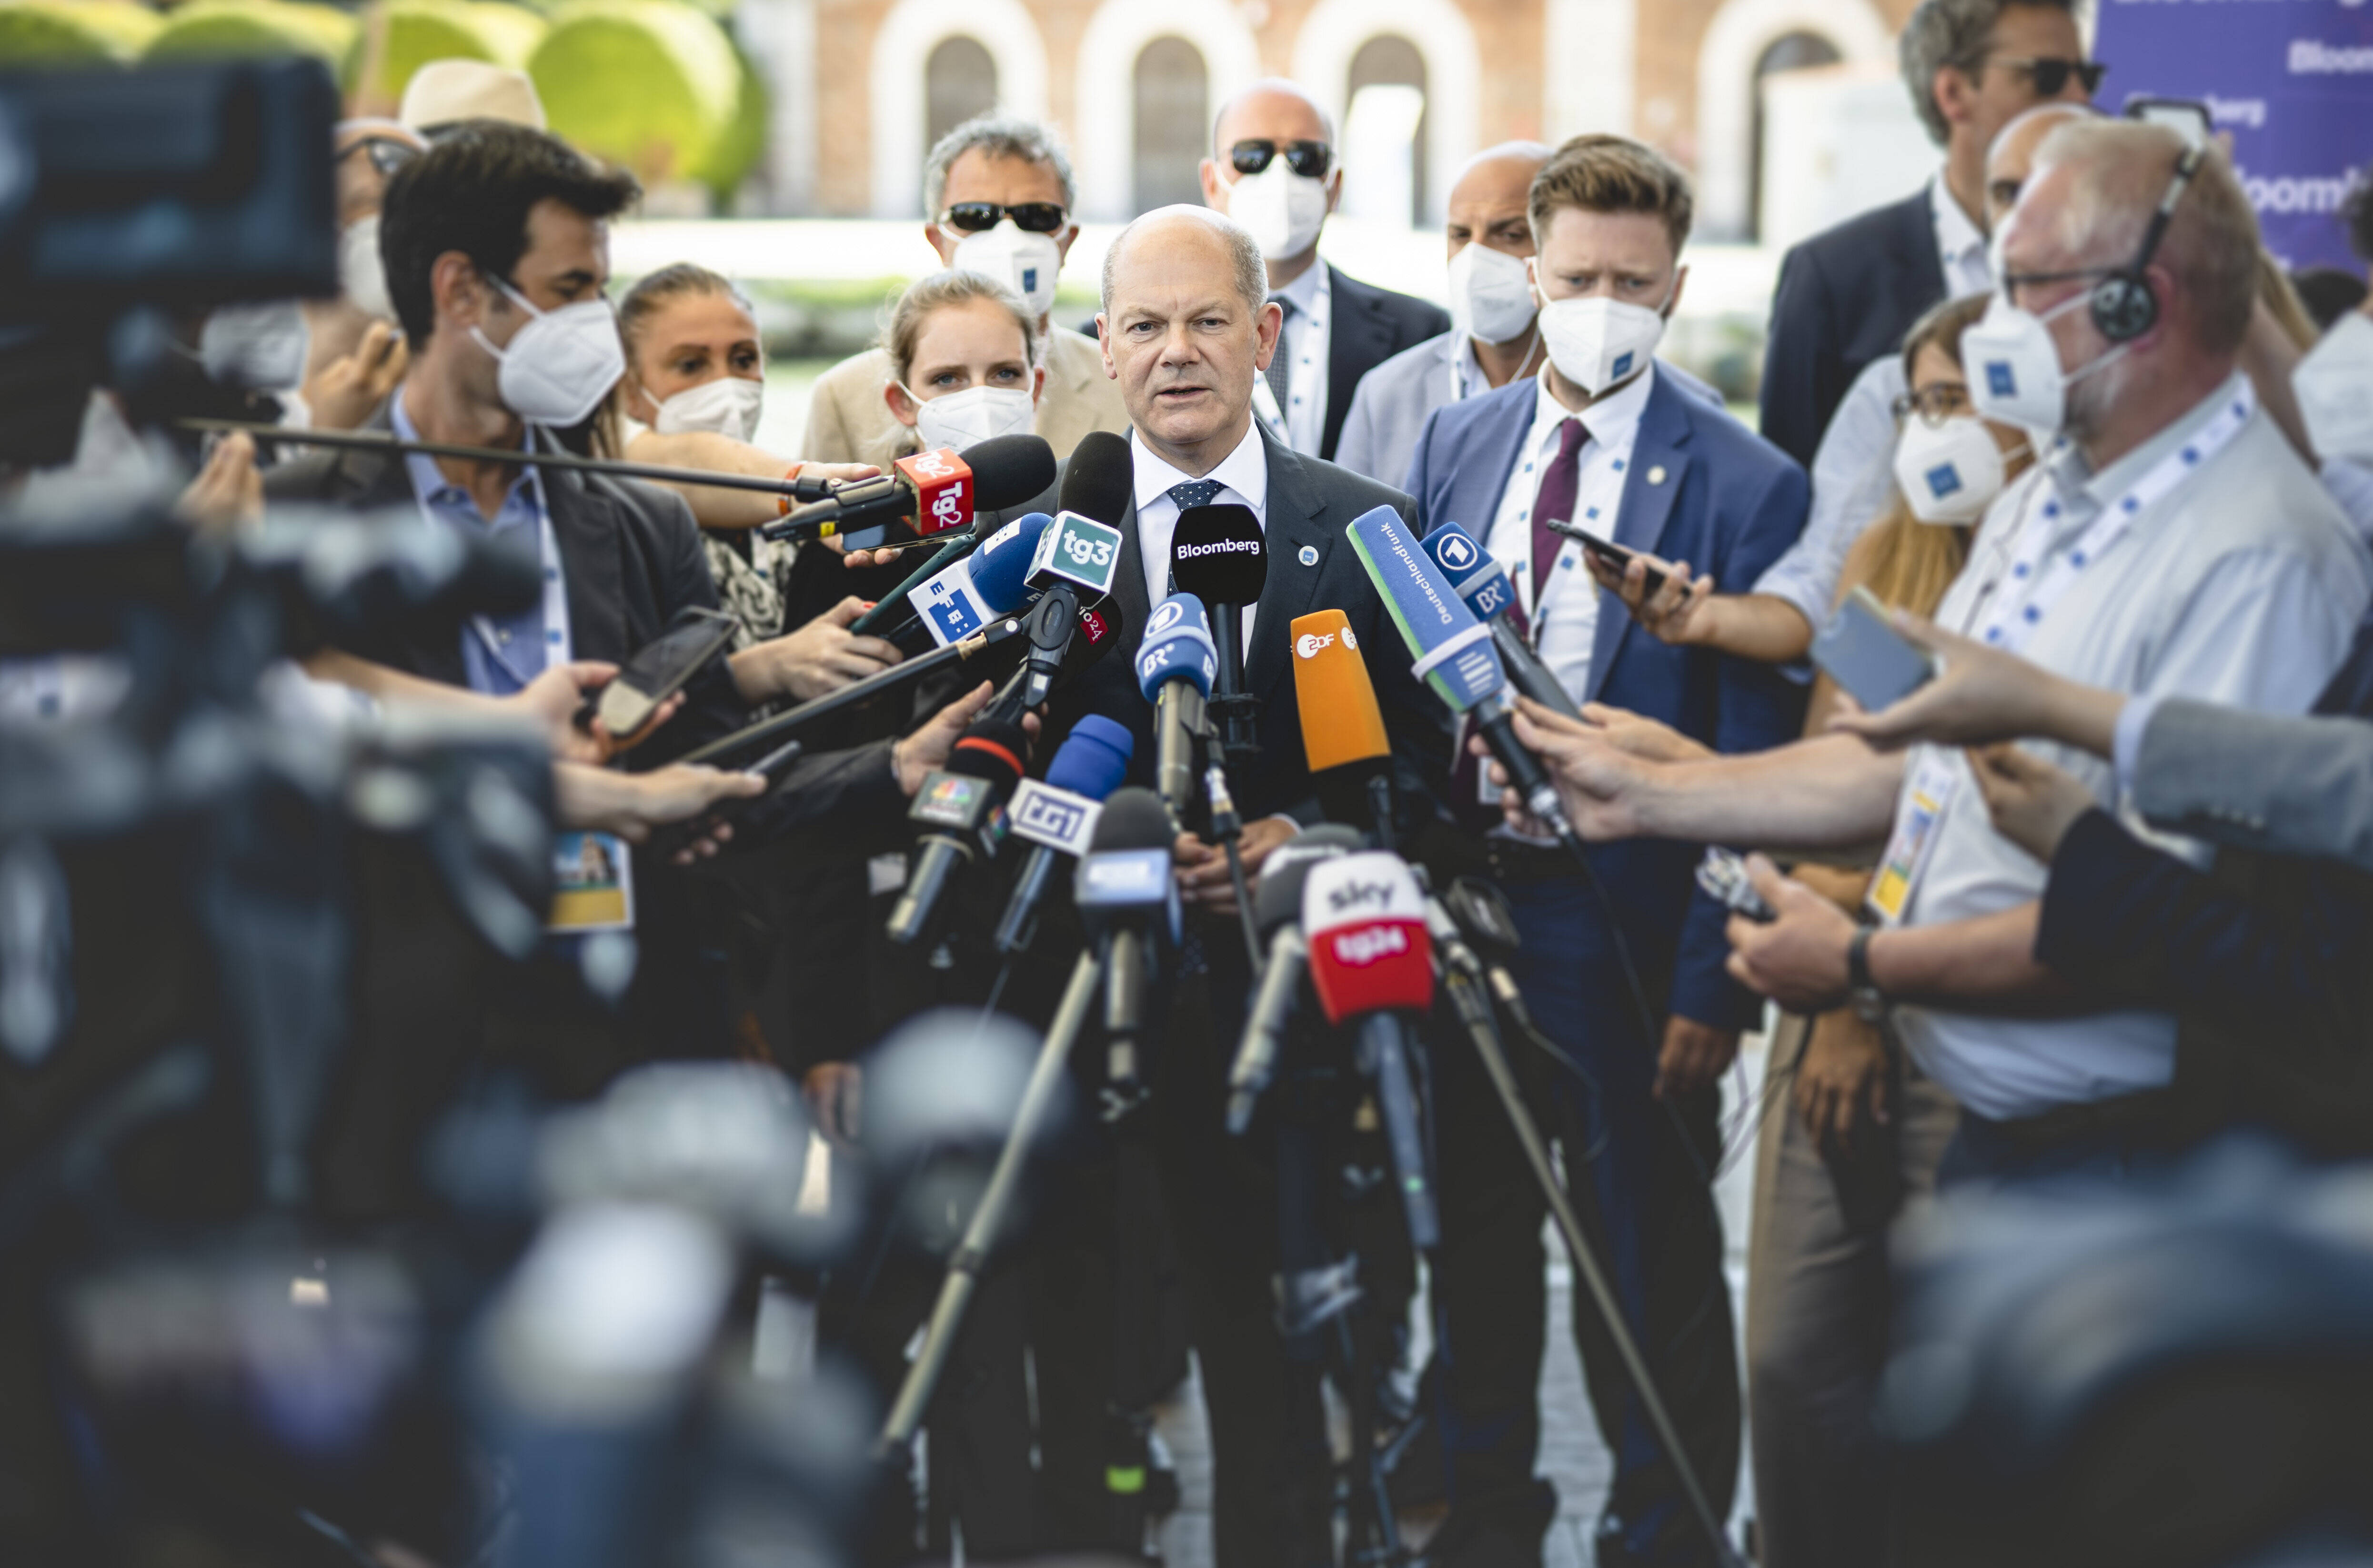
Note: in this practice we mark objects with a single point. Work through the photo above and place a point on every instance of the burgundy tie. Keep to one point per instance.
(1556, 498)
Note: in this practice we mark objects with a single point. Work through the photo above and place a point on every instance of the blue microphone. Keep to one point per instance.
(1480, 579)
(1059, 816)
(960, 599)
(1175, 666)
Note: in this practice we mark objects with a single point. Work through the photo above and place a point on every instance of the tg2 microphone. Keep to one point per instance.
(1479, 580)
(1218, 553)
(1174, 668)
(1279, 924)
(1343, 738)
(959, 808)
(937, 491)
(1059, 816)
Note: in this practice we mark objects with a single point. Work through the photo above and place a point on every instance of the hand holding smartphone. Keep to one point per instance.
(658, 671)
(1619, 557)
(1867, 657)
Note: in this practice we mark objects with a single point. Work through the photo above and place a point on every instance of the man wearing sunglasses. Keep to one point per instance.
(356, 354)
(1273, 169)
(1847, 295)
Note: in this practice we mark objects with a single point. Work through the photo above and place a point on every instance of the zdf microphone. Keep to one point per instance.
(960, 809)
(1175, 665)
(1278, 921)
(937, 491)
(1343, 739)
(1059, 816)
(1480, 581)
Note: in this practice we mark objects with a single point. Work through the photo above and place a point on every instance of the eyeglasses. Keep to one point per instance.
(1936, 403)
(2050, 75)
(1031, 217)
(1309, 159)
(386, 155)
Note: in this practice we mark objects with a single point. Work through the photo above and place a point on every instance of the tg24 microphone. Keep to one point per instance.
(1059, 816)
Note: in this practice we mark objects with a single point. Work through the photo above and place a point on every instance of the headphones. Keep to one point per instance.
(2123, 306)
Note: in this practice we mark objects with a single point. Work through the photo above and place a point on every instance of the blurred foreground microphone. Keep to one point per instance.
(961, 598)
(1174, 668)
(1217, 554)
(936, 490)
(958, 809)
(1342, 732)
(1059, 816)
(1454, 654)
(1372, 962)
(1492, 596)
(1079, 552)
(1279, 910)
(1130, 901)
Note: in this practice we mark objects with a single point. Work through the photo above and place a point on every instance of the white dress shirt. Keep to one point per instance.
(2242, 585)
(1305, 341)
(1243, 479)
(1960, 243)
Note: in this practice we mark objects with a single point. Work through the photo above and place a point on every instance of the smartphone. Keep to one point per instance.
(658, 671)
(2186, 117)
(1869, 657)
(1617, 555)
(1722, 873)
(672, 839)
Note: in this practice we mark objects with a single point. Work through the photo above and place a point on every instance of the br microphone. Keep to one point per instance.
(960, 599)
(1218, 553)
(1479, 579)
(1343, 737)
(937, 491)
(1174, 668)
(959, 808)
(1059, 816)
(1077, 553)
(1280, 926)
(1372, 962)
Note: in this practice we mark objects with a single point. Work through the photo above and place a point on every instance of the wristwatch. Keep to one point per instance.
(1869, 1003)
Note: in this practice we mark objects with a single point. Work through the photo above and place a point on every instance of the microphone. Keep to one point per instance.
(1454, 654)
(1077, 553)
(1174, 667)
(1279, 913)
(1480, 581)
(937, 491)
(1094, 633)
(959, 806)
(965, 596)
(1343, 737)
(1059, 816)
(1130, 901)
(1372, 961)
(1217, 554)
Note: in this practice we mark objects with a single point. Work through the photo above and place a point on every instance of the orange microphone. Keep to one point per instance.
(1343, 737)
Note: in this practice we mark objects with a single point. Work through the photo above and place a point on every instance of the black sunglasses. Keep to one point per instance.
(386, 155)
(2050, 75)
(1031, 217)
(1309, 159)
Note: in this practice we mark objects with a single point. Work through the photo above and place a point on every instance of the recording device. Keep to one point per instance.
(1872, 661)
(932, 492)
(1619, 557)
(960, 809)
(2186, 117)
(1723, 874)
(1130, 901)
(960, 598)
(1278, 922)
(1217, 554)
(1059, 816)
(1077, 553)
(660, 668)
(1487, 592)
(671, 840)
(1175, 665)
(1343, 739)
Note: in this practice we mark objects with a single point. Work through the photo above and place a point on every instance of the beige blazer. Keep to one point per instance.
(848, 421)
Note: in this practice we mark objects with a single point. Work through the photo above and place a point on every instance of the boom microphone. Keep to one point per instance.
(958, 805)
(1059, 816)
(1217, 554)
(1479, 580)
(937, 491)
(1343, 738)
(1174, 667)
(1279, 924)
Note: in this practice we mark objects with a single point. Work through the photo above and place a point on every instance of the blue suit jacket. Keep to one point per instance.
(1705, 489)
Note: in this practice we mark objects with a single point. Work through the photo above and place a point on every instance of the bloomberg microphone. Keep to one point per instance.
(1217, 554)
(957, 807)
(937, 491)
(1480, 581)
(1343, 739)
(1174, 668)
(1059, 816)
(1278, 911)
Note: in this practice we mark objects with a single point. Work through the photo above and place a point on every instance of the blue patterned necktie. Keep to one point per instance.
(1194, 493)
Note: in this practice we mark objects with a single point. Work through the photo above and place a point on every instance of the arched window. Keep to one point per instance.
(1173, 116)
(959, 81)
(1790, 52)
(1386, 61)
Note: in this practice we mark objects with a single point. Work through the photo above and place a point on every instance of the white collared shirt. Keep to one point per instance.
(1243, 479)
(1565, 618)
(1960, 243)
(1305, 340)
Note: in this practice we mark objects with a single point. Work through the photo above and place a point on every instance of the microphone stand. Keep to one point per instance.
(1236, 710)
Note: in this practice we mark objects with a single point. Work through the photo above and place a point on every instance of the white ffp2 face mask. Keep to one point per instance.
(966, 418)
(1598, 342)
(2014, 366)
(1949, 473)
(725, 406)
(557, 367)
(1282, 210)
(1023, 262)
(1491, 294)
(362, 273)
(2334, 387)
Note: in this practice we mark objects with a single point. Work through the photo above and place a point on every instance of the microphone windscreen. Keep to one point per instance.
(1217, 554)
(1341, 722)
(1093, 758)
(1471, 571)
(1008, 470)
(1370, 951)
(1100, 478)
(1451, 650)
(991, 748)
(1133, 818)
(1177, 643)
(1003, 561)
(1288, 868)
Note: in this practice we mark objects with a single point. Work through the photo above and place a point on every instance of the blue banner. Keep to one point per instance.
(2291, 81)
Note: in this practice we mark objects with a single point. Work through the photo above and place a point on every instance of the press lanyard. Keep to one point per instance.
(1459, 392)
(1302, 430)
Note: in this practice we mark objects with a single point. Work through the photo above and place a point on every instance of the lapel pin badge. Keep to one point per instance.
(1656, 475)
(1309, 556)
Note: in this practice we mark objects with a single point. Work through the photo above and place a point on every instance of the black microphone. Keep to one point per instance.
(1279, 922)
(939, 491)
(1130, 901)
(1094, 633)
(1217, 554)
(1077, 553)
(958, 807)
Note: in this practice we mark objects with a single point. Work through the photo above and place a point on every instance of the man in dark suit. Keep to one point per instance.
(1273, 169)
(1604, 438)
(1847, 295)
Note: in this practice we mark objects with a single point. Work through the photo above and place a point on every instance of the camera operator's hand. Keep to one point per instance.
(349, 389)
(2032, 803)
(632, 804)
(1981, 695)
(915, 757)
(819, 658)
(228, 494)
(836, 1092)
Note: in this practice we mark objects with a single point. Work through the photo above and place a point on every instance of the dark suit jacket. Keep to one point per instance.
(1370, 326)
(1845, 297)
(1701, 489)
(1311, 504)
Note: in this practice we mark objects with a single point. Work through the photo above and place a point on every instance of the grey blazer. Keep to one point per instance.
(2297, 786)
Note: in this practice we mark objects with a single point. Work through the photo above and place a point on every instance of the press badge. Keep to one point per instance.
(593, 884)
(1933, 779)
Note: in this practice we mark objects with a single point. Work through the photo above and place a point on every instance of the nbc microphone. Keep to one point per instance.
(1217, 554)
(1343, 739)
(957, 807)
(1372, 962)
(1279, 924)
(1492, 596)
(1174, 668)
(965, 595)
(1077, 553)
(1059, 816)
(937, 491)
